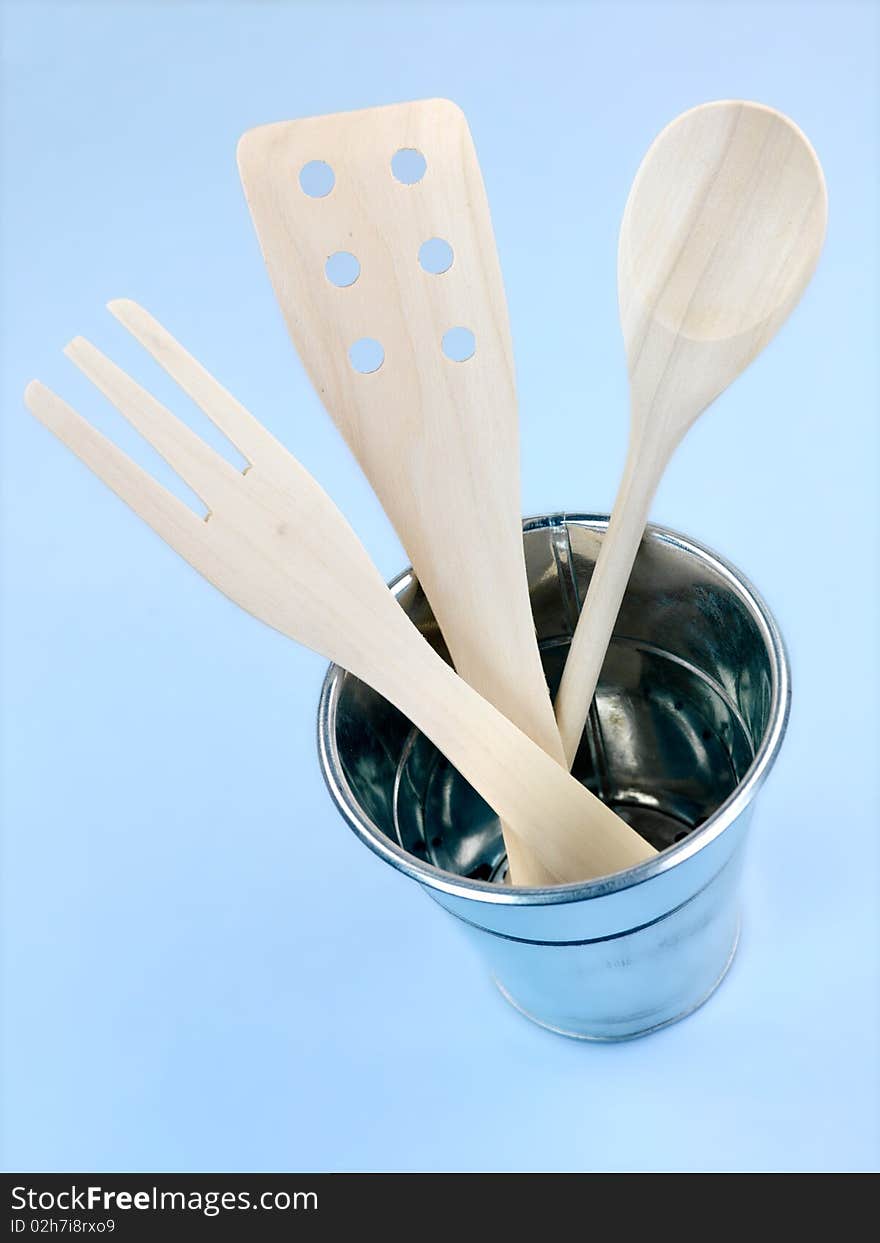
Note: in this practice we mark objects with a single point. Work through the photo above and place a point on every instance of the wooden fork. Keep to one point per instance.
(276, 544)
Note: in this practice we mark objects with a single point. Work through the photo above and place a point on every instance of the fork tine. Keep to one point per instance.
(196, 463)
(169, 517)
(248, 435)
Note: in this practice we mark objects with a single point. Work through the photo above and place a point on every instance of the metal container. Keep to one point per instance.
(688, 718)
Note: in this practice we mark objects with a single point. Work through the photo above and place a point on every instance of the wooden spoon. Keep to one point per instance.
(276, 544)
(375, 229)
(721, 233)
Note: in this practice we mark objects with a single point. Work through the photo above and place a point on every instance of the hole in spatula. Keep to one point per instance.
(408, 165)
(366, 355)
(459, 344)
(436, 256)
(342, 269)
(316, 179)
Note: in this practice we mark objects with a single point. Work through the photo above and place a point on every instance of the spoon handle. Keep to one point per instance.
(595, 626)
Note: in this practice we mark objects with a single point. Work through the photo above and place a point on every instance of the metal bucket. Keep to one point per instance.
(688, 718)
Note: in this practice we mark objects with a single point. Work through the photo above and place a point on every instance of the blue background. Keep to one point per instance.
(203, 968)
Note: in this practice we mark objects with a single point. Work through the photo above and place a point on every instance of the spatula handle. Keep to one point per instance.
(595, 627)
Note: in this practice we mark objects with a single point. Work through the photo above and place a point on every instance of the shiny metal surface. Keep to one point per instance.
(689, 715)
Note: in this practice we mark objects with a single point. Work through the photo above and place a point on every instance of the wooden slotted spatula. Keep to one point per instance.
(376, 233)
(276, 544)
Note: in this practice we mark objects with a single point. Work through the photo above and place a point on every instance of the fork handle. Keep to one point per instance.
(574, 834)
